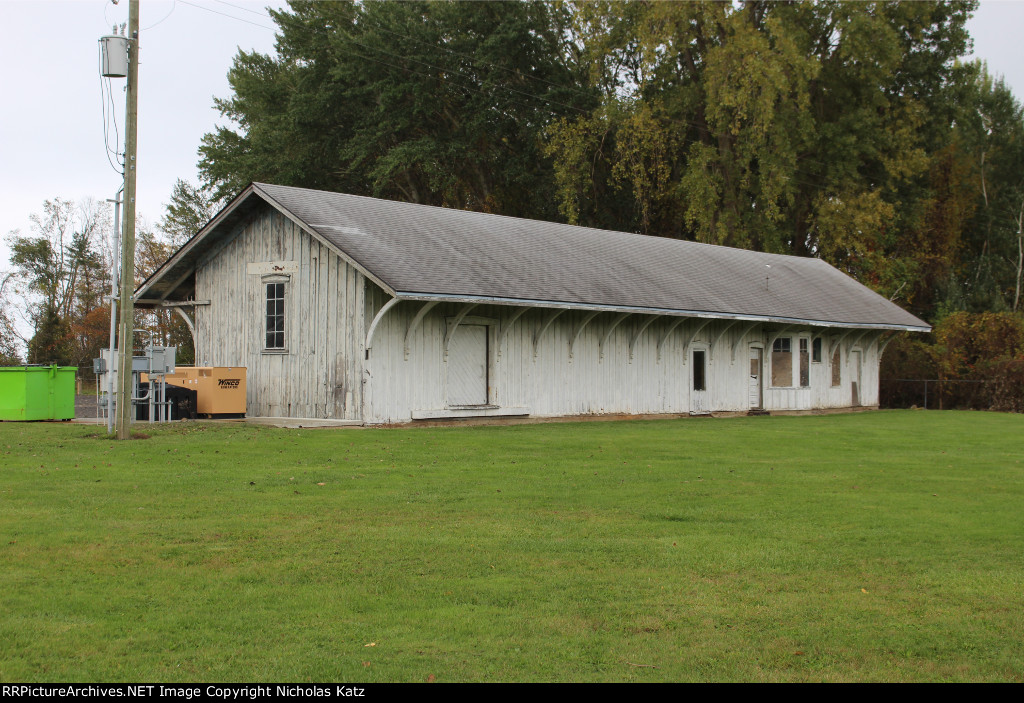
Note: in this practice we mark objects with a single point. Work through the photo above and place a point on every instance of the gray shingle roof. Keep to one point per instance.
(431, 251)
(418, 251)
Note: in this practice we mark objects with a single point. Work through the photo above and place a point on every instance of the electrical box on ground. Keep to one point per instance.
(220, 389)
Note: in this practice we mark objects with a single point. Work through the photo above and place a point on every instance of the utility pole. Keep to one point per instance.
(126, 327)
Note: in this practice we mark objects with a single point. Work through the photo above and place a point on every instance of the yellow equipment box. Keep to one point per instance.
(220, 390)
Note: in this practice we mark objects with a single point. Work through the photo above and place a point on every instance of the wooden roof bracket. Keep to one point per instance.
(838, 341)
(376, 321)
(415, 323)
(740, 338)
(882, 345)
(507, 326)
(714, 344)
(604, 340)
(693, 336)
(640, 331)
(455, 325)
(188, 323)
(552, 316)
(579, 329)
(664, 338)
(856, 340)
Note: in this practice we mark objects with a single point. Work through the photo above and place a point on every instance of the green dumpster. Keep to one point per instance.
(37, 392)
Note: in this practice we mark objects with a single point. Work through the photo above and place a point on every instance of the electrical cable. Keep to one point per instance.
(173, 7)
(245, 9)
(107, 118)
(222, 14)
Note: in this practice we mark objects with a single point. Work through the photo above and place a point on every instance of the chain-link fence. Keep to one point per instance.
(934, 393)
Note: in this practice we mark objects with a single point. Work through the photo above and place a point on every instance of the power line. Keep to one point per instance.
(161, 20)
(240, 7)
(224, 14)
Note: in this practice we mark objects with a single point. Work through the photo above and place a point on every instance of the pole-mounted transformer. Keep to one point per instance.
(113, 56)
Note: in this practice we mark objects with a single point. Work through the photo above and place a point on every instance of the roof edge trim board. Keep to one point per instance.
(308, 229)
(454, 298)
(196, 238)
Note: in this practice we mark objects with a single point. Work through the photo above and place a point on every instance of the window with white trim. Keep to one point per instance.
(275, 316)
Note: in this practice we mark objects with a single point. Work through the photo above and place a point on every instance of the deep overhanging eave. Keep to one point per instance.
(670, 312)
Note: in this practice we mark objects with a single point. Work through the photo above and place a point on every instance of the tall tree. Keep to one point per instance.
(441, 103)
(988, 136)
(11, 342)
(190, 208)
(60, 272)
(803, 128)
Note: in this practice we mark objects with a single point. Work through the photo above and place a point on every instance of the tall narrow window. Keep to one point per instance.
(836, 368)
(699, 371)
(805, 366)
(782, 362)
(275, 316)
(816, 350)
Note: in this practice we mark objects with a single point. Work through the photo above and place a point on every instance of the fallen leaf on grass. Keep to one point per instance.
(366, 663)
(321, 484)
(431, 679)
(643, 666)
(370, 644)
(863, 590)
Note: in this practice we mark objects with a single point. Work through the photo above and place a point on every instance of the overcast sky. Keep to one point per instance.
(51, 120)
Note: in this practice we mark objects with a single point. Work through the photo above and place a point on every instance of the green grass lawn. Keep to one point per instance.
(866, 547)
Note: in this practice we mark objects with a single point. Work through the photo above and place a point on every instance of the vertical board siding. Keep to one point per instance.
(552, 383)
(319, 376)
(329, 305)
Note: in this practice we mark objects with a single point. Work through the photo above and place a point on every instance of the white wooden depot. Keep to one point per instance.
(354, 351)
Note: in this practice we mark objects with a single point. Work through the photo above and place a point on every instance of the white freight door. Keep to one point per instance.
(467, 366)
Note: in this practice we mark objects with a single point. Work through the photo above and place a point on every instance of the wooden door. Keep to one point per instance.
(755, 392)
(855, 378)
(467, 366)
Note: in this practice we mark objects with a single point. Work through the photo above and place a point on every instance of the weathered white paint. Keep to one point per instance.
(467, 366)
(554, 383)
(319, 373)
(502, 359)
(264, 268)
